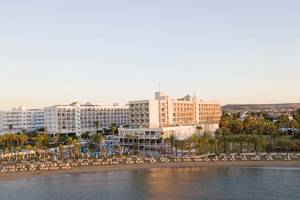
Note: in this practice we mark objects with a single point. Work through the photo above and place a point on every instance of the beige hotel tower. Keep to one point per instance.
(165, 112)
(150, 120)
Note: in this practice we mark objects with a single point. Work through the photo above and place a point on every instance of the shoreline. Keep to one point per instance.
(127, 167)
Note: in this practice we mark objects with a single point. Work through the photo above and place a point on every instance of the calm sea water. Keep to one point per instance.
(171, 183)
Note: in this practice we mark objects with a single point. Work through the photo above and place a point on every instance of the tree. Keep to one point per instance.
(199, 129)
(254, 140)
(242, 138)
(97, 125)
(97, 139)
(293, 124)
(85, 136)
(222, 135)
(283, 121)
(22, 139)
(113, 129)
(205, 139)
(236, 126)
(77, 149)
(248, 124)
(61, 150)
(297, 116)
(172, 140)
(195, 141)
(28, 149)
(177, 146)
(272, 131)
(188, 144)
(213, 142)
(225, 120)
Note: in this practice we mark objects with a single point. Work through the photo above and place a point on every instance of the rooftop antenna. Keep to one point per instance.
(159, 108)
(159, 87)
(195, 105)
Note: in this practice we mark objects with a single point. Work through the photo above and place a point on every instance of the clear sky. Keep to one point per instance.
(236, 51)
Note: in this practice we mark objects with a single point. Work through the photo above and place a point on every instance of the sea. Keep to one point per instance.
(232, 183)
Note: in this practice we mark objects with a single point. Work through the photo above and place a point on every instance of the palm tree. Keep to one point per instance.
(97, 139)
(177, 146)
(225, 120)
(213, 142)
(28, 148)
(38, 142)
(222, 135)
(293, 124)
(195, 141)
(77, 147)
(272, 132)
(61, 150)
(18, 150)
(97, 125)
(254, 139)
(70, 142)
(236, 126)
(188, 144)
(113, 128)
(205, 139)
(85, 136)
(22, 139)
(1, 141)
(172, 140)
(242, 138)
(14, 140)
(199, 129)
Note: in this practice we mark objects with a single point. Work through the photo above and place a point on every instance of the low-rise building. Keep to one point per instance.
(152, 137)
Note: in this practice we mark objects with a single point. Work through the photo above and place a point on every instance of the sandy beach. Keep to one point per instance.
(93, 169)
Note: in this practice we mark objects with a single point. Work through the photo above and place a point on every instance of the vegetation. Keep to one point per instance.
(257, 132)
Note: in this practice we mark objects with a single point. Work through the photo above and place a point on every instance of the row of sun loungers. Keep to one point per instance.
(24, 166)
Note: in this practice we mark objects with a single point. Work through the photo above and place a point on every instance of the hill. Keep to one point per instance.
(260, 107)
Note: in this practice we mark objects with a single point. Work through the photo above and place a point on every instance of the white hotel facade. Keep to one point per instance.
(147, 120)
(19, 119)
(90, 117)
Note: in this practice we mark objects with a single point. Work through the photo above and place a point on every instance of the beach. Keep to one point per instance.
(108, 168)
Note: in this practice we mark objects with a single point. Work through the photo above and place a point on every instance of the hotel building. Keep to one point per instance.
(77, 119)
(63, 119)
(19, 119)
(165, 112)
(94, 116)
(163, 116)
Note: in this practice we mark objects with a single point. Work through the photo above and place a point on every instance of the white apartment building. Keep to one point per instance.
(19, 119)
(90, 117)
(63, 119)
(143, 114)
(95, 116)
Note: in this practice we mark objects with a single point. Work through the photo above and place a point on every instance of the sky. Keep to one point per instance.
(235, 51)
